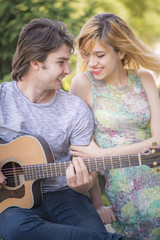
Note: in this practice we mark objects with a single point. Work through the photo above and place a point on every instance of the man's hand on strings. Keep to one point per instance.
(78, 177)
(2, 180)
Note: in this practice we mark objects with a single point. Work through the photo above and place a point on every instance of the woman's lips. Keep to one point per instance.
(97, 71)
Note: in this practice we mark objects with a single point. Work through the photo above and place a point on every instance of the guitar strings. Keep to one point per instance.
(94, 164)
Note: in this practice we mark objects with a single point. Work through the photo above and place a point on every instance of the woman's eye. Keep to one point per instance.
(100, 56)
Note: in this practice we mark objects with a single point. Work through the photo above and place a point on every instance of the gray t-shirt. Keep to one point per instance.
(63, 121)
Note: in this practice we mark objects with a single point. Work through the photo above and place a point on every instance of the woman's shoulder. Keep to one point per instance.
(80, 85)
(148, 81)
(81, 79)
(145, 74)
(142, 74)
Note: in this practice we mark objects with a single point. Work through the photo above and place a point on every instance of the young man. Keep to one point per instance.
(34, 104)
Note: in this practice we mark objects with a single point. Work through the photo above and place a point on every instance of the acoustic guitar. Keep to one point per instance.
(28, 159)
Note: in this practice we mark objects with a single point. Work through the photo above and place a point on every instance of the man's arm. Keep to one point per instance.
(78, 177)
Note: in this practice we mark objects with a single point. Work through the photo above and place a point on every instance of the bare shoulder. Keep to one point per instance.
(147, 79)
(145, 75)
(80, 80)
(80, 85)
(149, 83)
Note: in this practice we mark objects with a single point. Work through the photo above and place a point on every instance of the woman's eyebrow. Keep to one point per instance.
(100, 52)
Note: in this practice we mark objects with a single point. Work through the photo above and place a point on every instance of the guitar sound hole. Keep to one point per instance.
(14, 174)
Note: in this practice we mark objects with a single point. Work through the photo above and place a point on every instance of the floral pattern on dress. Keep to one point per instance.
(122, 117)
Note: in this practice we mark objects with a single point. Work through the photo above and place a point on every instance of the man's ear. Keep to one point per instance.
(35, 65)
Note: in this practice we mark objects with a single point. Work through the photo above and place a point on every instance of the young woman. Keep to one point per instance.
(125, 102)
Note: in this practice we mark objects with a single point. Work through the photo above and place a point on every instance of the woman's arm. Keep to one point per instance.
(106, 213)
(81, 87)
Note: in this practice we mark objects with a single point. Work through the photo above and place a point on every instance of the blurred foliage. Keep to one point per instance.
(142, 15)
(67, 80)
(102, 183)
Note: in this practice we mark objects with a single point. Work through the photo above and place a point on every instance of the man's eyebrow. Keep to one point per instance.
(63, 58)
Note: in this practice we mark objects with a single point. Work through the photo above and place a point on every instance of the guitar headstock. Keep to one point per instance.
(154, 154)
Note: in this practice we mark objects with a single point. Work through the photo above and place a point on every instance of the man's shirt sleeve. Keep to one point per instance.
(83, 125)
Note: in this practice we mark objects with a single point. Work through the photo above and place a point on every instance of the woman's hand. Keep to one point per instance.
(78, 177)
(2, 180)
(90, 151)
(106, 214)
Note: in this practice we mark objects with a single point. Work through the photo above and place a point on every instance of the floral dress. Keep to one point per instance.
(122, 117)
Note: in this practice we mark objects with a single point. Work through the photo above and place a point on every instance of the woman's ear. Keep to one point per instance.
(121, 55)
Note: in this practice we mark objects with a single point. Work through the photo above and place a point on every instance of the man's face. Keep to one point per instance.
(54, 69)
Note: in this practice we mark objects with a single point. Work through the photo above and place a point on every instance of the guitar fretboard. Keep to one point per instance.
(39, 171)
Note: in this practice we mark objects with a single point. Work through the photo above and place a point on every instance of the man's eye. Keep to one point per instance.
(61, 63)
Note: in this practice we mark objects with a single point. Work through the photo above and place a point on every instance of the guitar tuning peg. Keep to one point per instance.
(157, 170)
(154, 144)
(155, 164)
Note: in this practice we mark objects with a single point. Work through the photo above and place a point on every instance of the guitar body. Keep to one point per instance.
(23, 151)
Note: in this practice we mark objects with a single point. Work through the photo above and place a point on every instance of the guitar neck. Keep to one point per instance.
(40, 171)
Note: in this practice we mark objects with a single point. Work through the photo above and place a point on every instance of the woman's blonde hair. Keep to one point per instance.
(111, 29)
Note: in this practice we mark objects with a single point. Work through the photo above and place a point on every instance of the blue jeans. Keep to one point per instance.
(63, 215)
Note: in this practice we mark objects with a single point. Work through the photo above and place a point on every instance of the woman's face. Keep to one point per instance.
(103, 62)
